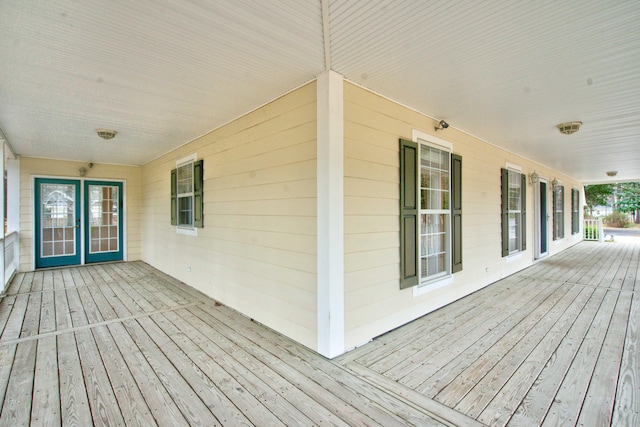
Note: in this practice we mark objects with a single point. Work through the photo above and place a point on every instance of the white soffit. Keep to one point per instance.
(162, 73)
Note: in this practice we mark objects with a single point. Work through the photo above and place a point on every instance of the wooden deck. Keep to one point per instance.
(123, 344)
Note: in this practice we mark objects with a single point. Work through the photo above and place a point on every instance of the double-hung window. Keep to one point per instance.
(575, 211)
(430, 213)
(514, 203)
(187, 195)
(558, 212)
(435, 214)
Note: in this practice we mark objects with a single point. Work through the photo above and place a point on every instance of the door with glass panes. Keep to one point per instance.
(62, 237)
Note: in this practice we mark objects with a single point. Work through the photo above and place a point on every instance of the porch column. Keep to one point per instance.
(330, 211)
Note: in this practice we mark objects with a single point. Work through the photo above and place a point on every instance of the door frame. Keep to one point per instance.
(81, 180)
(541, 219)
(86, 235)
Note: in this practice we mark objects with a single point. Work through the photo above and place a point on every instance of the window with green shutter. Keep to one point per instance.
(187, 195)
(430, 213)
(514, 212)
(558, 212)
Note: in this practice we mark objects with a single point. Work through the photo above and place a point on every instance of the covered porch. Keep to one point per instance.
(123, 344)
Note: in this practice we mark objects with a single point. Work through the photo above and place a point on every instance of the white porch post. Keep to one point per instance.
(330, 211)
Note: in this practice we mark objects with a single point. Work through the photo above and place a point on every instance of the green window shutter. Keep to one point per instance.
(523, 210)
(575, 211)
(174, 196)
(198, 202)
(505, 212)
(456, 213)
(409, 275)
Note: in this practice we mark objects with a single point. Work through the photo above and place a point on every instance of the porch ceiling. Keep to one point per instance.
(164, 72)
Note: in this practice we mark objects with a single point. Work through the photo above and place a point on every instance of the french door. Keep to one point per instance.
(61, 237)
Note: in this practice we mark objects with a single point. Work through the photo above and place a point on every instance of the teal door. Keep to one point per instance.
(103, 221)
(57, 214)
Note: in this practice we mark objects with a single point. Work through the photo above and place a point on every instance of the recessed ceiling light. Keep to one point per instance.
(106, 133)
(569, 127)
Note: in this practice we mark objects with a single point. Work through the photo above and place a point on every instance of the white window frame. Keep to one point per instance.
(517, 253)
(446, 278)
(186, 229)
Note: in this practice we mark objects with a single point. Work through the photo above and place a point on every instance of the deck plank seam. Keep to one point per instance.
(96, 324)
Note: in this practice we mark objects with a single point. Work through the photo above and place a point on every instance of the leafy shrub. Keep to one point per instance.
(591, 233)
(617, 220)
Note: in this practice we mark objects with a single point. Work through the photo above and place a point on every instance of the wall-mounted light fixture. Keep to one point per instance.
(442, 125)
(83, 171)
(534, 178)
(555, 183)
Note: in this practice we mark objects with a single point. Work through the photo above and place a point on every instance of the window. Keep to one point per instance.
(575, 211)
(514, 205)
(186, 194)
(431, 213)
(558, 212)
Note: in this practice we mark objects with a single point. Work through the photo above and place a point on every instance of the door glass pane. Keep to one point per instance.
(104, 218)
(57, 219)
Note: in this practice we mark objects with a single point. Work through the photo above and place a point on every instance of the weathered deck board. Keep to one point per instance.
(627, 408)
(125, 344)
(74, 403)
(46, 387)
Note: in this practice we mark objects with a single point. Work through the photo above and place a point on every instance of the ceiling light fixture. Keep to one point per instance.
(569, 127)
(106, 133)
(612, 173)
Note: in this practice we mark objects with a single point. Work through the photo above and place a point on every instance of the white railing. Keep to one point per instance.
(593, 230)
(10, 258)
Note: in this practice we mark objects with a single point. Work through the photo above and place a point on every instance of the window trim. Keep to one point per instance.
(575, 214)
(408, 215)
(444, 278)
(559, 188)
(505, 212)
(191, 230)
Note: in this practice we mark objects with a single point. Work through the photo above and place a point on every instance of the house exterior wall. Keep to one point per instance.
(257, 250)
(31, 168)
(374, 303)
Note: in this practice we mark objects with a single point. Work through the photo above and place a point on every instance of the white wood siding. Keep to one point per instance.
(257, 250)
(374, 303)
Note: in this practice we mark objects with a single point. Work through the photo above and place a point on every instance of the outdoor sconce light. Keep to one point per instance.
(442, 125)
(534, 178)
(555, 183)
(83, 170)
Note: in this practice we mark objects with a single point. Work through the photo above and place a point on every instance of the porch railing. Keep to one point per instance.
(10, 258)
(594, 230)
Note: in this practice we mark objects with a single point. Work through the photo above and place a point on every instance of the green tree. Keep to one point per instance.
(629, 199)
(597, 195)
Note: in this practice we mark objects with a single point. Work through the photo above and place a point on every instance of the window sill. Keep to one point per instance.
(433, 286)
(187, 231)
(514, 257)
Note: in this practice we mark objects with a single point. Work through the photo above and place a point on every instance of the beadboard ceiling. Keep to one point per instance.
(164, 72)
